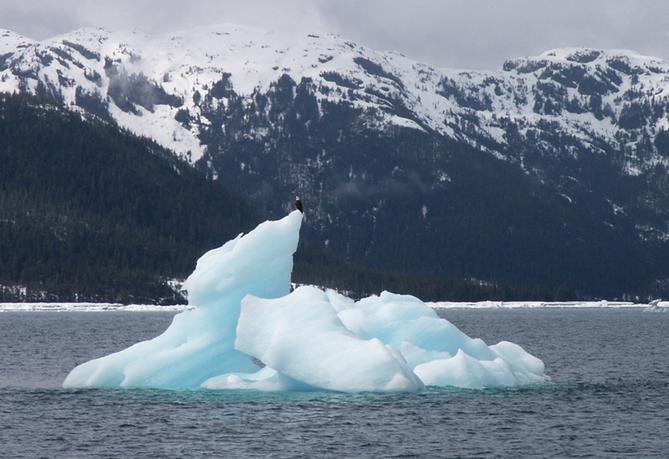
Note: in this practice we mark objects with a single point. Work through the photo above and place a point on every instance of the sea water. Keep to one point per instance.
(609, 397)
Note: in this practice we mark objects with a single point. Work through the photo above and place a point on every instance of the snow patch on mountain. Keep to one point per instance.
(152, 86)
(11, 41)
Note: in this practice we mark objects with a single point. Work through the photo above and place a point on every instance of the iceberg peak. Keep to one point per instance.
(199, 343)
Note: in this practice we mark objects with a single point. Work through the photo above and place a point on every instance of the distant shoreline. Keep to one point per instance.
(539, 305)
(117, 307)
(89, 307)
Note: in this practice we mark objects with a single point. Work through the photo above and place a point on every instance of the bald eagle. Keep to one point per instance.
(298, 204)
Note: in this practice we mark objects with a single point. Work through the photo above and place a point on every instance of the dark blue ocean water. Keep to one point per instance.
(609, 397)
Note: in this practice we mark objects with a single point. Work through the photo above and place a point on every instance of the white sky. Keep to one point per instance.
(449, 33)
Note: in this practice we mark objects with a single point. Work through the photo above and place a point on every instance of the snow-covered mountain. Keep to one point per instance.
(366, 136)
(593, 96)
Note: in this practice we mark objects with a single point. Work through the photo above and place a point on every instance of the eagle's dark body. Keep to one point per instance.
(298, 204)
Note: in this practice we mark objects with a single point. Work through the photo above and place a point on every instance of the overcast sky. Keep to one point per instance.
(449, 33)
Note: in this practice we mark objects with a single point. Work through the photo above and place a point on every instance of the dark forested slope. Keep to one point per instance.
(90, 212)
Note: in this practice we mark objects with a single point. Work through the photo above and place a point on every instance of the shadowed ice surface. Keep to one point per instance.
(609, 397)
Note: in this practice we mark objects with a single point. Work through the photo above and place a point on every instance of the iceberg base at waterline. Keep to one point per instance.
(246, 330)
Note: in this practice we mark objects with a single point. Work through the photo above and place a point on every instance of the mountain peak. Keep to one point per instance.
(11, 41)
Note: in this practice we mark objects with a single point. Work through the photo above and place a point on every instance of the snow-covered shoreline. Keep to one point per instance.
(541, 305)
(89, 307)
(117, 307)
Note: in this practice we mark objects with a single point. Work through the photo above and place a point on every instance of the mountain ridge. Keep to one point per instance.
(254, 58)
(574, 143)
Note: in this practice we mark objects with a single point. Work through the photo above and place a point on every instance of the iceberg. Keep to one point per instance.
(199, 343)
(244, 329)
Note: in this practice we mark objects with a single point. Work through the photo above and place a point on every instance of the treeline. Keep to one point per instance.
(320, 267)
(88, 211)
